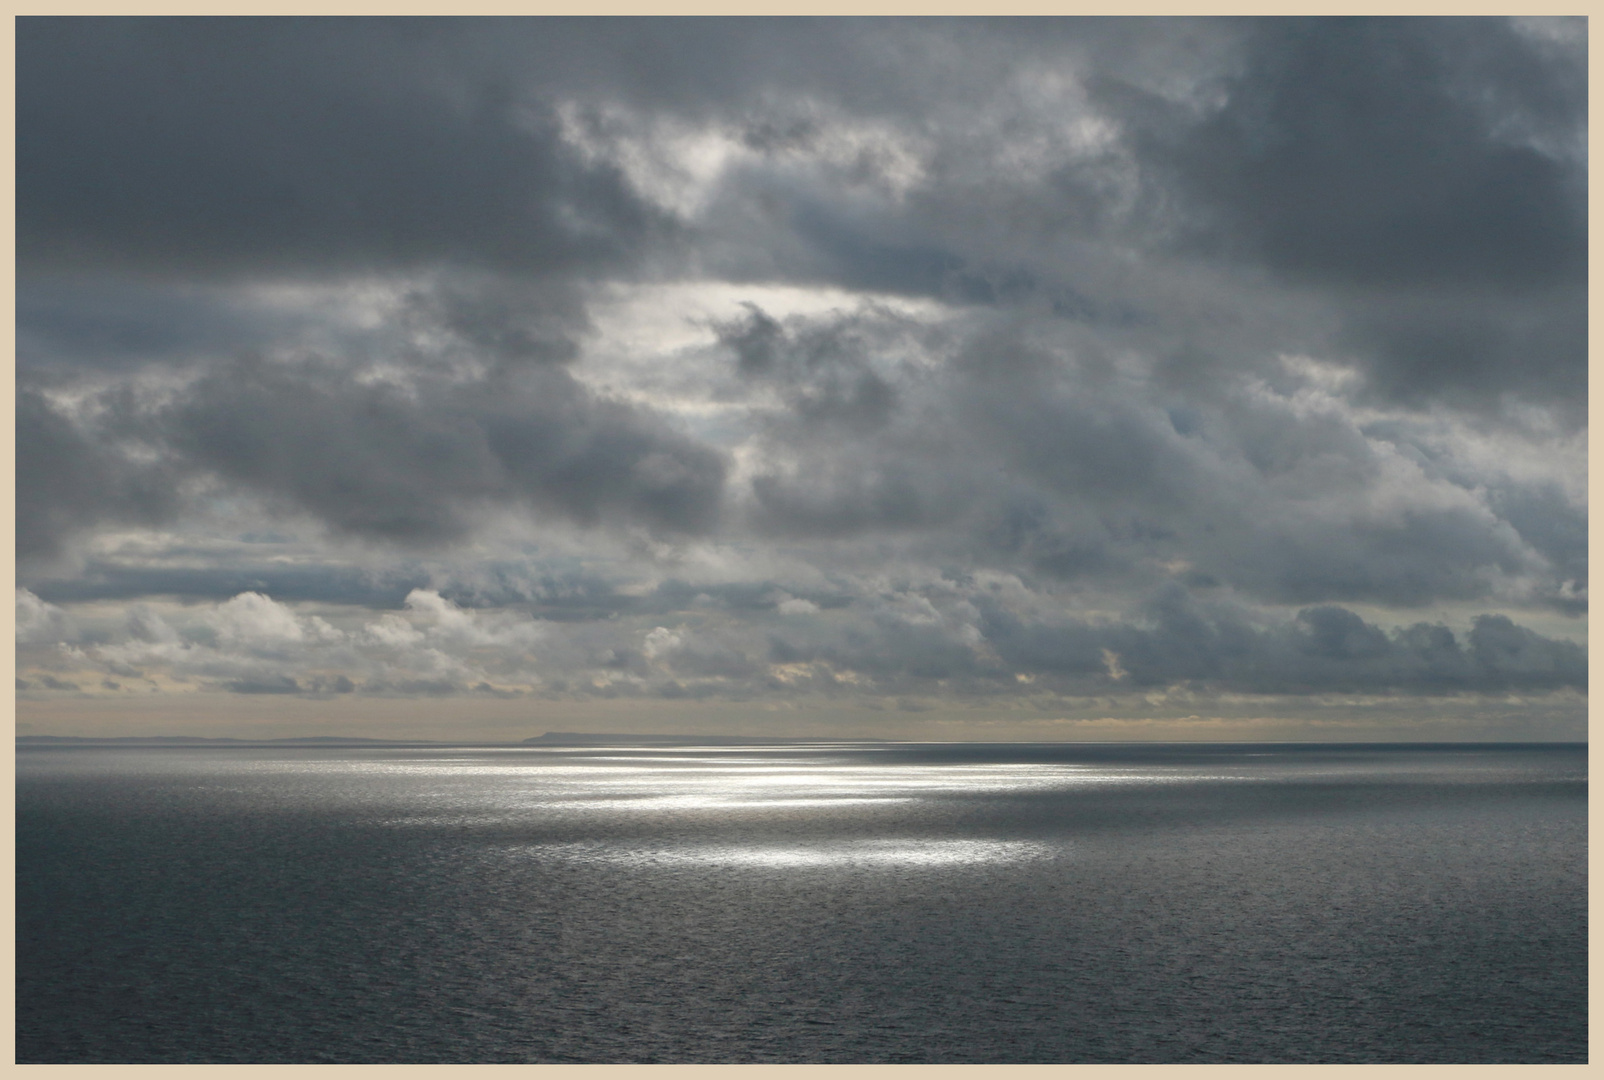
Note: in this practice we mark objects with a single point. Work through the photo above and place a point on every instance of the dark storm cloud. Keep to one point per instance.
(1369, 152)
(1373, 151)
(415, 463)
(1468, 350)
(266, 145)
(409, 464)
(291, 146)
(1427, 170)
(66, 326)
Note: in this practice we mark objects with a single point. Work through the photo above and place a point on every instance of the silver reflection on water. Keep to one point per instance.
(809, 790)
(865, 854)
(530, 785)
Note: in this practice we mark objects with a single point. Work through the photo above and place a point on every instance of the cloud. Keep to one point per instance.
(412, 458)
(414, 462)
(1429, 172)
(1324, 649)
(253, 644)
(276, 147)
(37, 621)
(970, 639)
(68, 479)
(254, 622)
(1396, 153)
(445, 622)
(1470, 352)
(283, 684)
(902, 361)
(1007, 447)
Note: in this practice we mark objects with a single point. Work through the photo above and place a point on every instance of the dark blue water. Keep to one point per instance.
(898, 903)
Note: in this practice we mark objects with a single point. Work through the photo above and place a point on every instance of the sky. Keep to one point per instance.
(1019, 379)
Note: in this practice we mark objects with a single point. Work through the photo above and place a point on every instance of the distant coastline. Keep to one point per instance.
(550, 738)
(174, 739)
(574, 738)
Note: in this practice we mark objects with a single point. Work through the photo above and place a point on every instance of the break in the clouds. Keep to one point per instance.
(892, 364)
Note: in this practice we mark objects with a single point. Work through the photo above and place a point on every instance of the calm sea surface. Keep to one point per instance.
(808, 903)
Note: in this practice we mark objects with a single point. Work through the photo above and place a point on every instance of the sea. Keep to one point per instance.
(801, 902)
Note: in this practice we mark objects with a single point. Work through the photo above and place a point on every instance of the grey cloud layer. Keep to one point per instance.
(1075, 464)
(407, 463)
(1200, 332)
(1389, 154)
(959, 639)
(267, 145)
